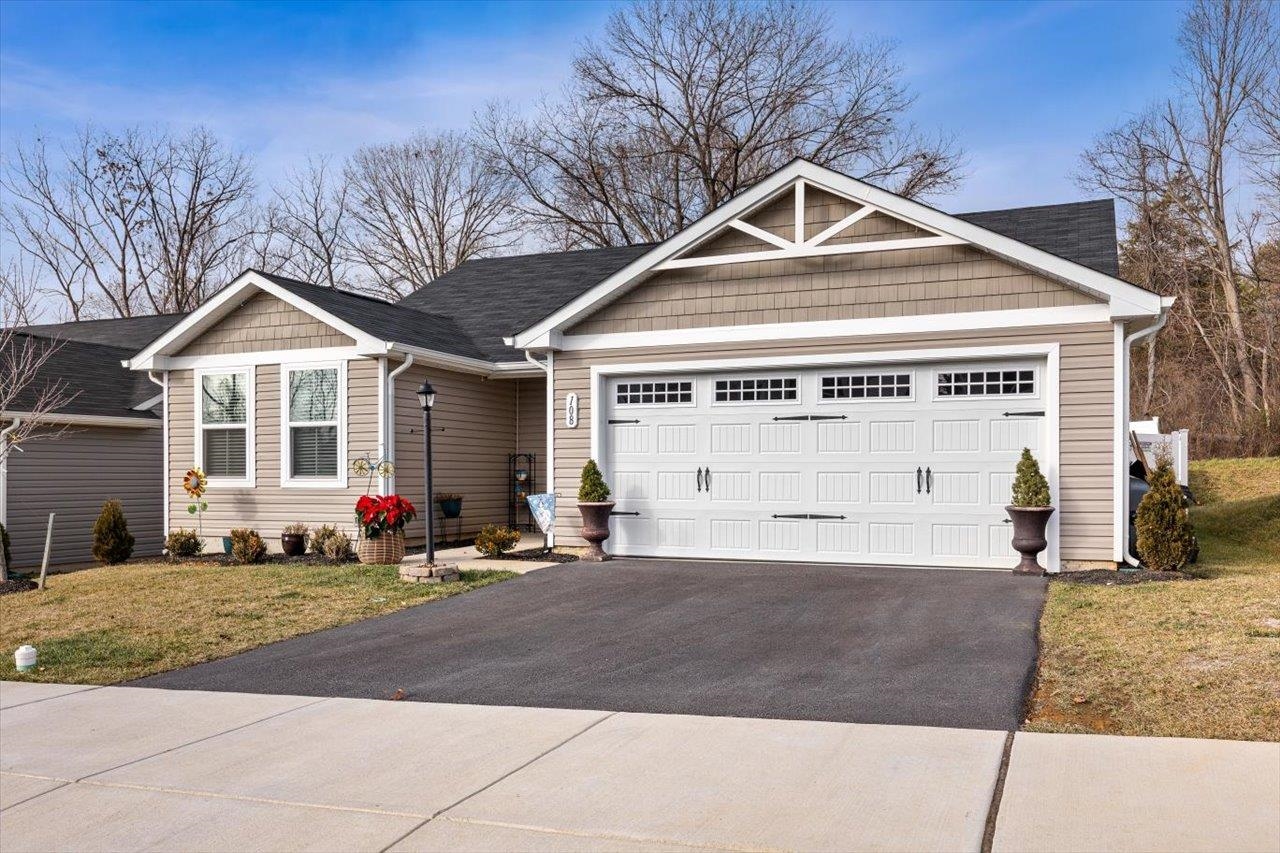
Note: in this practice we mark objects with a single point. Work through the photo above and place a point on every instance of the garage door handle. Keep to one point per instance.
(708, 475)
(919, 474)
(699, 479)
(928, 481)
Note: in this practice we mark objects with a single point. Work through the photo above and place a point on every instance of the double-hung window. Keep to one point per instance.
(224, 437)
(312, 419)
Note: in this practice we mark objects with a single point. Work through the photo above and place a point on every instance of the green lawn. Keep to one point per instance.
(1191, 658)
(115, 623)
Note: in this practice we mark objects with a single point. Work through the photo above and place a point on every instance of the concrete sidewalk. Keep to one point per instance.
(112, 768)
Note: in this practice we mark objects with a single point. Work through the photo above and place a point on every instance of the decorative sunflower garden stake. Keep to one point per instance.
(194, 483)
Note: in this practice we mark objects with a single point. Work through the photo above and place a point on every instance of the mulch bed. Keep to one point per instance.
(228, 560)
(1111, 577)
(541, 555)
(16, 585)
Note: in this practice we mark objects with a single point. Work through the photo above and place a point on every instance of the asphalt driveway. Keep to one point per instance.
(869, 645)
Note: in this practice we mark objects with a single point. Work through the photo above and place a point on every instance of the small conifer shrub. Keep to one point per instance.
(247, 546)
(112, 541)
(494, 540)
(1166, 541)
(593, 488)
(1030, 488)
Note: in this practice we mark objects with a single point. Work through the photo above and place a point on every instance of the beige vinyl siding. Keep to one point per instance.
(73, 475)
(261, 323)
(908, 282)
(1086, 428)
(268, 505)
(474, 431)
(531, 421)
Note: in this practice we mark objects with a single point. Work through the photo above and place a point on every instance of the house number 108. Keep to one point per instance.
(571, 410)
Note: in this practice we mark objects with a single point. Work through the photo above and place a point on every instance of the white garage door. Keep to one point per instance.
(908, 464)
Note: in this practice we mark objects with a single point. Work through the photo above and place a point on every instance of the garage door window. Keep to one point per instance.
(853, 386)
(654, 393)
(757, 390)
(986, 383)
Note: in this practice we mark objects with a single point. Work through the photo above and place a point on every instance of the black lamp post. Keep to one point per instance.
(427, 397)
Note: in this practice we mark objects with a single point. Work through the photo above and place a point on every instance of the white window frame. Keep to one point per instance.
(795, 377)
(250, 456)
(287, 480)
(628, 380)
(974, 368)
(866, 401)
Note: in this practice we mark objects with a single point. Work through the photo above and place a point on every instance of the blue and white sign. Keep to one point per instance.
(543, 509)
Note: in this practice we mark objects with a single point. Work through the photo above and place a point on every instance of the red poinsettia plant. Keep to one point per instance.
(378, 514)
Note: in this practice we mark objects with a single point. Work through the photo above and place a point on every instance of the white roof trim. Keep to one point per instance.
(1125, 299)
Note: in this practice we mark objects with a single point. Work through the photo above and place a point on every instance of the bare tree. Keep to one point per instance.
(28, 393)
(1187, 152)
(681, 105)
(20, 294)
(422, 207)
(131, 222)
(308, 219)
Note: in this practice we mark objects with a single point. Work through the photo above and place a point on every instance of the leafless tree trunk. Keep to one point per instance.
(682, 105)
(422, 207)
(135, 222)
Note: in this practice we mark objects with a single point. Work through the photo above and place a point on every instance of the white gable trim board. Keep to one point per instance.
(776, 494)
(1124, 300)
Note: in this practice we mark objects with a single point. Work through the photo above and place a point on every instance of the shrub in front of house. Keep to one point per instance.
(1166, 541)
(247, 546)
(1030, 488)
(494, 540)
(321, 535)
(336, 547)
(112, 541)
(182, 543)
(592, 488)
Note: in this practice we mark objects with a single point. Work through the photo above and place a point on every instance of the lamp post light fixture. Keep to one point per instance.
(427, 398)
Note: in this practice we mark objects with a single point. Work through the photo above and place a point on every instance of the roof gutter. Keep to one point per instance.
(463, 364)
(1166, 302)
(88, 420)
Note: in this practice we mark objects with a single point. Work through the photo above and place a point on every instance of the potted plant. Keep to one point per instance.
(382, 519)
(450, 504)
(293, 539)
(1029, 510)
(595, 506)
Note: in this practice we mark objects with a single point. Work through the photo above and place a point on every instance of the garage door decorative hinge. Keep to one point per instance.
(621, 421)
(808, 516)
(615, 512)
(812, 418)
(1023, 414)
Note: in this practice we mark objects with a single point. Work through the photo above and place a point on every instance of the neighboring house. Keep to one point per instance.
(106, 443)
(817, 371)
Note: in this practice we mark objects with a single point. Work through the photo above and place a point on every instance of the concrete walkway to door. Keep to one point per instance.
(123, 769)
(838, 643)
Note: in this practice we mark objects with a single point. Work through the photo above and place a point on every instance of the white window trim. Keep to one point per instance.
(799, 399)
(250, 456)
(866, 401)
(287, 480)
(628, 380)
(1036, 380)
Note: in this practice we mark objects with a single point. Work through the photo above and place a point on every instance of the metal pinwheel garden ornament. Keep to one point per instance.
(194, 483)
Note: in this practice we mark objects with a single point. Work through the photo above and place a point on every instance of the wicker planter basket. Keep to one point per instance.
(387, 549)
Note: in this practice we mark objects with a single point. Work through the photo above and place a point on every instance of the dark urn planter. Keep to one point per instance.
(293, 544)
(451, 509)
(1029, 540)
(595, 527)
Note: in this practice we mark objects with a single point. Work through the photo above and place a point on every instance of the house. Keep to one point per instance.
(819, 370)
(107, 445)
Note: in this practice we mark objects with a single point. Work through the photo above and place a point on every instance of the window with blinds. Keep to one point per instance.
(313, 422)
(224, 425)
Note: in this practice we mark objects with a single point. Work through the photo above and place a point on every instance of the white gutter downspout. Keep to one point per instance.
(4, 472)
(389, 423)
(1123, 437)
(163, 382)
(549, 369)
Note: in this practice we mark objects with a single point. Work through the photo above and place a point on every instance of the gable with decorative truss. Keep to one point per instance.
(808, 254)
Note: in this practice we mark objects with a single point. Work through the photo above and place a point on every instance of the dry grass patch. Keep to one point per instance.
(112, 624)
(1198, 658)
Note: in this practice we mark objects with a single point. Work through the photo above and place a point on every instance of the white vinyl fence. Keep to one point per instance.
(1155, 443)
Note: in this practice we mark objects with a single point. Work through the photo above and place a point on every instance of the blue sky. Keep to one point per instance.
(1024, 87)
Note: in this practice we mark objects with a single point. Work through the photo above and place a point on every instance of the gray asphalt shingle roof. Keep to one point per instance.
(92, 372)
(133, 333)
(1082, 231)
